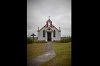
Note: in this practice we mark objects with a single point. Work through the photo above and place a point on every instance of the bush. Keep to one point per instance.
(56, 41)
(29, 40)
(65, 39)
(42, 41)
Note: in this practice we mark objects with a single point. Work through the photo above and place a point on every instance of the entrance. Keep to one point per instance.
(48, 36)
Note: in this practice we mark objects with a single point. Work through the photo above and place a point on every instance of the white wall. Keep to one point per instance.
(57, 37)
(40, 35)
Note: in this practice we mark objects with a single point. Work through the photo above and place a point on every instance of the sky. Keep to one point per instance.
(38, 12)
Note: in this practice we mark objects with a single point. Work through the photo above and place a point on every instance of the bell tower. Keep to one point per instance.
(49, 23)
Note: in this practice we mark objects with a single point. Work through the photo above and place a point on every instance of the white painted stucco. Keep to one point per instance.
(57, 34)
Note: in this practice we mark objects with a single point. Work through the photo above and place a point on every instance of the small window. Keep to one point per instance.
(54, 33)
(43, 33)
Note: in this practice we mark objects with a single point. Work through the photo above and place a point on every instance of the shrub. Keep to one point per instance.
(42, 41)
(56, 41)
(29, 40)
(65, 39)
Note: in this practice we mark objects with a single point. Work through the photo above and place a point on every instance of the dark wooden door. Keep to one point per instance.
(48, 36)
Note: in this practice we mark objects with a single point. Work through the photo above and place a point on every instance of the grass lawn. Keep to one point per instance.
(34, 50)
(63, 55)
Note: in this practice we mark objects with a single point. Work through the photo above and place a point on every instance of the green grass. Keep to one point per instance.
(34, 50)
(63, 55)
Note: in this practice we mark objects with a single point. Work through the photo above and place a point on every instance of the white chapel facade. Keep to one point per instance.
(49, 32)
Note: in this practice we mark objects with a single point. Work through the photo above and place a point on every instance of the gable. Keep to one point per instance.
(48, 25)
(41, 28)
(55, 27)
(45, 28)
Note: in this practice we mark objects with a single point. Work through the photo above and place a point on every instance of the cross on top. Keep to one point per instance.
(49, 17)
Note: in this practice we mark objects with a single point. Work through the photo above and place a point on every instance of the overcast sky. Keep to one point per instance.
(38, 12)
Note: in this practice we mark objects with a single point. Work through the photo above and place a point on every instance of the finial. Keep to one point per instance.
(59, 28)
(49, 17)
(38, 28)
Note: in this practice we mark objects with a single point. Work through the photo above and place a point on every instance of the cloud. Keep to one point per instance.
(58, 10)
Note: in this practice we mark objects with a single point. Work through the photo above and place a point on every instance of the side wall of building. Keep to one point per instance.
(57, 35)
(40, 35)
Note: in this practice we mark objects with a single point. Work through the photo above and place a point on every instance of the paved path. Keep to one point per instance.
(48, 54)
